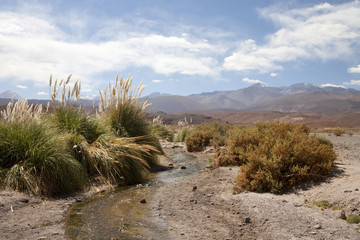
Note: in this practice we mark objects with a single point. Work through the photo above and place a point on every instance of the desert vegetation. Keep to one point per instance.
(204, 135)
(274, 156)
(60, 151)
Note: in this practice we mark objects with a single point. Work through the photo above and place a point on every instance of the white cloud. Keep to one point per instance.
(32, 47)
(352, 82)
(321, 32)
(253, 81)
(21, 86)
(332, 85)
(273, 74)
(354, 69)
(156, 81)
(42, 93)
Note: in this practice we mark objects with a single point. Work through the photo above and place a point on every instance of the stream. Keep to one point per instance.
(118, 214)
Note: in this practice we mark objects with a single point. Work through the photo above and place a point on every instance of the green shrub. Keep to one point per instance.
(181, 136)
(202, 136)
(74, 120)
(36, 159)
(275, 157)
(324, 140)
(353, 219)
(162, 132)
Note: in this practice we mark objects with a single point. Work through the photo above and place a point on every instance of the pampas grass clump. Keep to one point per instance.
(35, 158)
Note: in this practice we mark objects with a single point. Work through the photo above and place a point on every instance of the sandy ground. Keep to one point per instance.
(213, 212)
(203, 206)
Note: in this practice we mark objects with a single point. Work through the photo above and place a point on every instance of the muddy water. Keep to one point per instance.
(119, 214)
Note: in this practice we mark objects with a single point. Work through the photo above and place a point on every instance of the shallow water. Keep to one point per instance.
(119, 214)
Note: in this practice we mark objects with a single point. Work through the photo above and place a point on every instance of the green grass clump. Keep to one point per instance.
(35, 158)
(205, 135)
(324, 140)
(353, 219)
(182, 134)
(323, 204)
(162, 132)
(59, 152)
(74, 120)
(275, 157)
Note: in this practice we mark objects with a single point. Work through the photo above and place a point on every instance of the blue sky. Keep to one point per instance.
(178, 46)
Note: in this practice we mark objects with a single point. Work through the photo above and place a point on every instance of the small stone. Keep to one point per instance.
(208, 216)
(182, 167)
(192, 200)
(356, 189)
(78, 200)
(347, 191)
(342, 215)
(212, 203)
(297, 205)
(194, 188)
(317, 226)
(230, 168)
(24, 200)
(171, 165)
(195, 201)
(313, 233)
(247, 220)
(143, 201)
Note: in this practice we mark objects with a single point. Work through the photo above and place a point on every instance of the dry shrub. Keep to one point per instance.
(204, 135)
(275, 157)
(338, 132)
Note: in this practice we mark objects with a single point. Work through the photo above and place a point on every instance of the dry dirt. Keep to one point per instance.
(203, 206)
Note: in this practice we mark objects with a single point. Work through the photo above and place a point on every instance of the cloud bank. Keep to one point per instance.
(322, 32)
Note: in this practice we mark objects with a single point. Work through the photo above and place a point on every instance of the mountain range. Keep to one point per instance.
(302, 97)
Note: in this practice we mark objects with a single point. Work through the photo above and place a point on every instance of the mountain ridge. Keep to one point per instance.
(293, 98)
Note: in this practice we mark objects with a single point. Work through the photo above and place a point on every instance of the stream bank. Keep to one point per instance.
(211, 211)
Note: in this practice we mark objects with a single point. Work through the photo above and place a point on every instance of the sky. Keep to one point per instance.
(178, 47)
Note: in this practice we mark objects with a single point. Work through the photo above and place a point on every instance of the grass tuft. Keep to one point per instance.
(36, 159)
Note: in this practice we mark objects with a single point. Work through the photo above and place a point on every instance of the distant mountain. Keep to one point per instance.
(157, 94)
(295, 98)
(171, 104)
(299, 88)
(9, 95)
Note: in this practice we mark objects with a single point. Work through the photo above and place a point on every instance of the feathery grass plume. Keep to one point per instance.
(47, 106)
(68, 79)
(50, 80)
(117, 160)
(67, 92)
(21, 111)
(36, 159)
